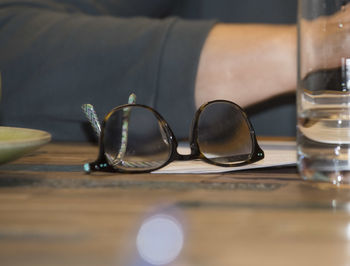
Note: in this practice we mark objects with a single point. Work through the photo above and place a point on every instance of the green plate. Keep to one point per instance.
(15, 142)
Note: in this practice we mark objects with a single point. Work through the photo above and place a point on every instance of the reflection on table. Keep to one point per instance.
(54, 214)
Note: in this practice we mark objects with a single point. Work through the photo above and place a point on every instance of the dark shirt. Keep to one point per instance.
(57, 55)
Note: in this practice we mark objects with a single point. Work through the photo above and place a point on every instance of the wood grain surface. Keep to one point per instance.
(54, 214)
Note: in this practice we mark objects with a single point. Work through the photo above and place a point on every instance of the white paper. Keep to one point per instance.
(277, 153)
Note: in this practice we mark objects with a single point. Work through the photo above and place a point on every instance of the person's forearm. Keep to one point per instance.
(246, 63)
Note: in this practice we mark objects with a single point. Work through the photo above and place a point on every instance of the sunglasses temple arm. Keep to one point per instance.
(90, 114)
(132, 98)
(125, 127)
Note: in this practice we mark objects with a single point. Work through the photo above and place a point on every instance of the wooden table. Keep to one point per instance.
(54, 214)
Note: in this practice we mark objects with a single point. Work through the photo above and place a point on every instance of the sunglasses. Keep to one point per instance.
(135, 138)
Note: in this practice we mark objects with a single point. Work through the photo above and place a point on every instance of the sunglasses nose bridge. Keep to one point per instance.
(185, 157)
(186, 153)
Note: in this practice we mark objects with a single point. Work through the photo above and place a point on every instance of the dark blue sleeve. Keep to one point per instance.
(56, 55)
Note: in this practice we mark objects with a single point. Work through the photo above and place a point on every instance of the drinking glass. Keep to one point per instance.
(323, 94)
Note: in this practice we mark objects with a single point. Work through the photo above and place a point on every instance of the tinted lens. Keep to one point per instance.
(223, 134)
(135, 140)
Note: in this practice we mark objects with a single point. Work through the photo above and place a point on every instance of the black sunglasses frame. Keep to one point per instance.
(101, 164)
